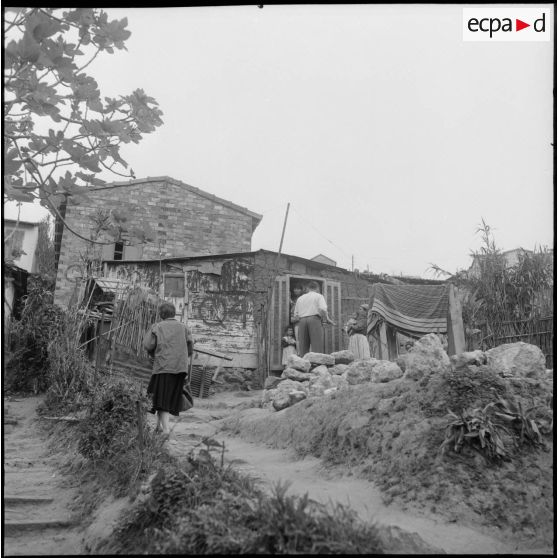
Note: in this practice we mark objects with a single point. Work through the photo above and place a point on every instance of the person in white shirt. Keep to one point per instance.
(311, 311)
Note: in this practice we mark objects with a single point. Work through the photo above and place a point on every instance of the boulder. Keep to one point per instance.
(298, 363)
(321, 369)
(296, 375)
(296, 396)
(320, 382)
(385, 371)
(359, 371)
(282, 397)
(338, 369)
(316, 359)
(469, 358)
(267, 398)
(281, 401)
(339, 382)
(343, 357)
(401, 361)
(289, 385)
(517, 359)
(426, 357)
(329, 391)
(271, 382)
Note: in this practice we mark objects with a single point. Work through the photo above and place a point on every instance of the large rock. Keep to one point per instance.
(339, 382)
(469, 358)
(426, 357)
(385, 371)
(285, 395)
(359, 371)
(298, 363)
(296, 375)
(272, 381)
(517, 359)
(343, 357)
(281, 401)
(267, 398)
(321, 369)
(320, 382)
(338, 369)
(296, 396)
(316, 359)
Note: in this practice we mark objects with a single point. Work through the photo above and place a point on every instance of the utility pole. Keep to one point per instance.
(272, 292)
(352, 263)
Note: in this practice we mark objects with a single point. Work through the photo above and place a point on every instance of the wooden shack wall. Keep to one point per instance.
(227, 299)
(219, 301)
(355, 290)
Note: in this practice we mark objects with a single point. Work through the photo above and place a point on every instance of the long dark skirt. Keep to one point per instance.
(166, 390)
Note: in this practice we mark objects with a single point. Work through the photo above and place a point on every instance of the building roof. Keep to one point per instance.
(20, 222)
(322, 257)
(255, 216)
(228, 255)
(318, 264)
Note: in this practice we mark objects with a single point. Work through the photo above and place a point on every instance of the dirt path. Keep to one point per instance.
(309, 475)
(36, 498)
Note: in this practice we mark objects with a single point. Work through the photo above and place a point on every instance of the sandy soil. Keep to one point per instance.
(325, 484)
(31, 473)
(37, 499)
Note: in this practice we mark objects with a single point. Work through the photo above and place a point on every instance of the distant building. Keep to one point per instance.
(511, 258)
(20, 243)
(185, 220)
(320, 258)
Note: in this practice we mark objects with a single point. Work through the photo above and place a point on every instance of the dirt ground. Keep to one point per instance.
(37, 499)
(31, 473)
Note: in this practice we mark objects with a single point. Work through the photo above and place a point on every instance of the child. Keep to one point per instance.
(288, 342)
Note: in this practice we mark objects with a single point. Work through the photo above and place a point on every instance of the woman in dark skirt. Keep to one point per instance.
(170, 343)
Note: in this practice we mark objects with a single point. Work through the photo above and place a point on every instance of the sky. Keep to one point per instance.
(389, 135)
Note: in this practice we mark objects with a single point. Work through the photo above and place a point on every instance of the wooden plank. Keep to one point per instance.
(383, 345)
(456, 332)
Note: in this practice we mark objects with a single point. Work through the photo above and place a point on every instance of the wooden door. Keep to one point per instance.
(174, 290)
(279, 319)
(332, 334)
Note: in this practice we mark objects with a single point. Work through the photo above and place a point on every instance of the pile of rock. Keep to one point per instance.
(318, 374)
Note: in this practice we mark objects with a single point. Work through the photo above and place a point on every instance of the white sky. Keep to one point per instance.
(389, 135)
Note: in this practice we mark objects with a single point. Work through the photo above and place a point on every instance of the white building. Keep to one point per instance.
(20, 238)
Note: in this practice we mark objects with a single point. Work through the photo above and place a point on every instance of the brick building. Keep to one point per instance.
(183, 221)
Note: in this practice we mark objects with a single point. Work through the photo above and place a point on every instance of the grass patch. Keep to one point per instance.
(199, 506)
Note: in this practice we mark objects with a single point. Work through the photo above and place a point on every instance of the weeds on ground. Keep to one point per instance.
(115, 437)
(201, 506)
(29, 338)
(389, 434)
(497, 430)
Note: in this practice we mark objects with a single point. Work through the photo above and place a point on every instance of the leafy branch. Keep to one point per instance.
(54, 114)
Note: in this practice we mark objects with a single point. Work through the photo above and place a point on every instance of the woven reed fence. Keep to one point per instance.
(537, 331)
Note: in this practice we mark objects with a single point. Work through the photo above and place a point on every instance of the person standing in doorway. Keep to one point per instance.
(297, 292)
(170, 344)
(356, 329)
(311, 311)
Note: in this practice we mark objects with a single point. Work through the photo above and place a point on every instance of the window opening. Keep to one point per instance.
(118, 250)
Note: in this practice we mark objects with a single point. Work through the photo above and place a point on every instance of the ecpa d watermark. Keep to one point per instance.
(507, 24)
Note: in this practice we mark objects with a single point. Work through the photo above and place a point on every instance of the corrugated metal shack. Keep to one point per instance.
(228, 302)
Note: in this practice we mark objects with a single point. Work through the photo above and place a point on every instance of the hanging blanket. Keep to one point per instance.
(414, 310)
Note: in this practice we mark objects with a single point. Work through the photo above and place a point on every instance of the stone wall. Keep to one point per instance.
(186, 221)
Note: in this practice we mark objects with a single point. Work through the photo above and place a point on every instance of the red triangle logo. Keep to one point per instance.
(519, 25)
